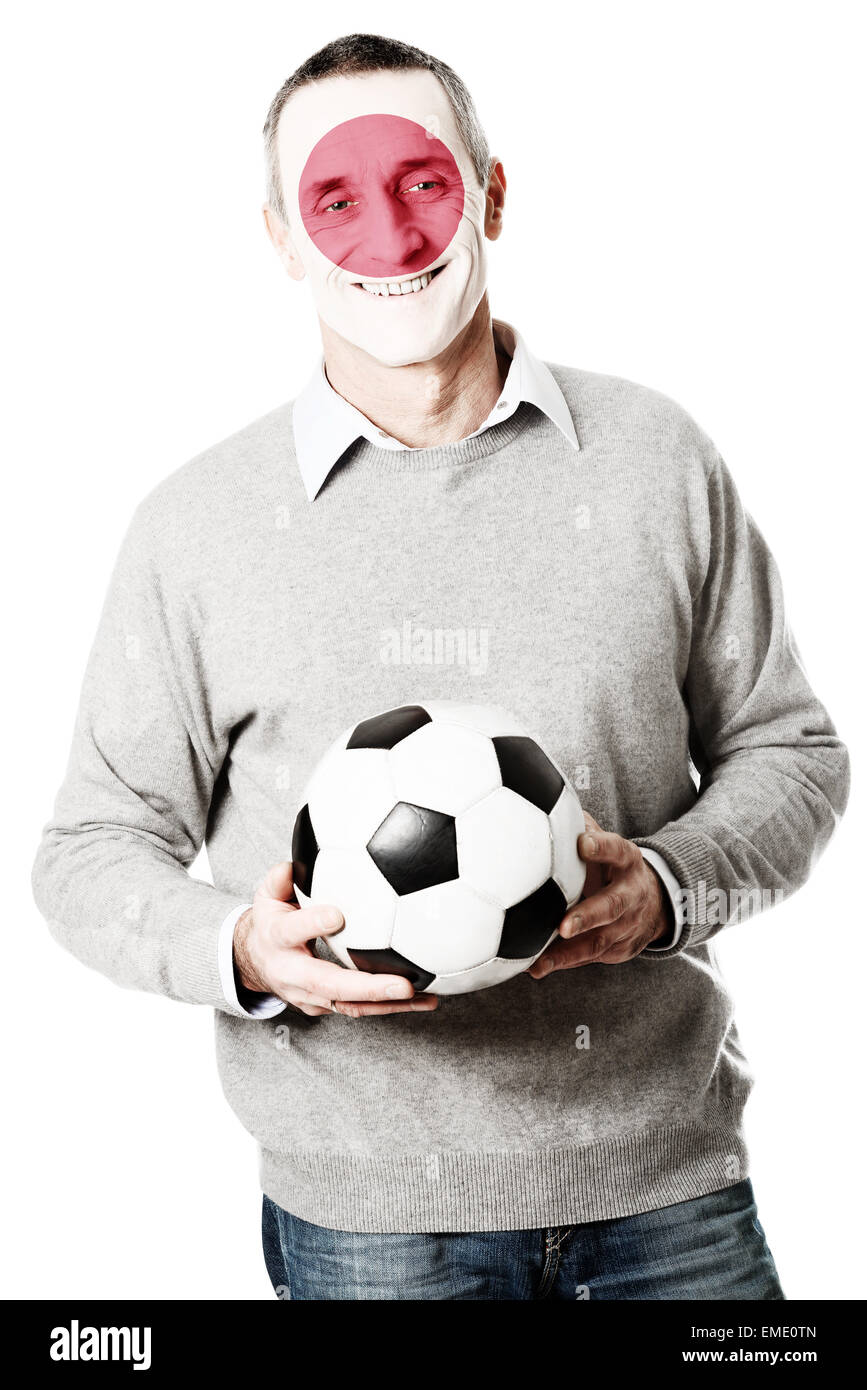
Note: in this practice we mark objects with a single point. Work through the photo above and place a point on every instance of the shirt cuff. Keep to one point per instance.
(678, 903)
(245, 1001)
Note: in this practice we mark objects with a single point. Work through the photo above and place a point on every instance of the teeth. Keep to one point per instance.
(420, 282)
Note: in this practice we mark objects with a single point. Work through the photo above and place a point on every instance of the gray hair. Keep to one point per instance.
(360, 53)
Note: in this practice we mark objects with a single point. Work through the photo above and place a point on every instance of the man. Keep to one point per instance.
(577, 1131)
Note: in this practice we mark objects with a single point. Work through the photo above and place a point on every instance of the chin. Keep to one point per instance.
(414, 348)
(406, 358)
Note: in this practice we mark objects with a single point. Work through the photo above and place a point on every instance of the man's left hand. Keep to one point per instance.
(624, 907)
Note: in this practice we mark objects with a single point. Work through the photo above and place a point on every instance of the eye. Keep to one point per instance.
(422, 187)
(340, 206)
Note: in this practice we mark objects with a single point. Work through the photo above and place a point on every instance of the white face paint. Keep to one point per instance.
(379, 203)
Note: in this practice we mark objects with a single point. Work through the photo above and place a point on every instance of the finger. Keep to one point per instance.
(609, 904)
(277, 883)
(421, 1003)
(301, 1005)
(586, 950)
(301, 998)
(608, 941)
(590, 823)
(302, 924)
(603, 847)
(619, 954)
(334, 982)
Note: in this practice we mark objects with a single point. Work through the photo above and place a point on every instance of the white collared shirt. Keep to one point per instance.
(325, 425)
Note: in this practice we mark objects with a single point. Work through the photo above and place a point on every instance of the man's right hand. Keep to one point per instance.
(272, 956)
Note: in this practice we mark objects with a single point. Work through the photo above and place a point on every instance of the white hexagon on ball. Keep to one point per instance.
(349, 795)
(349, 879)
(489, 720)
(567, 823)
(445, 767)
(504, 847)
(446, 927)
(491, 972)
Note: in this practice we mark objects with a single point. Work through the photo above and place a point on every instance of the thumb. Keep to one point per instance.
(590, 822)
(277, 883)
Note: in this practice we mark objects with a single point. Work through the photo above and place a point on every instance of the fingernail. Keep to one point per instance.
(590, 845)
(572, 925)
(397, 992)
(329, 917)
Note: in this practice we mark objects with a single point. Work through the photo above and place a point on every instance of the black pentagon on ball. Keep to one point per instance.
(528, 924)
(304, 850)
(525, 769)
(385, 730)
(391, 963)
(415, 848)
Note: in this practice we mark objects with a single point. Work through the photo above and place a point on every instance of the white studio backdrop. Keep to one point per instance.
(686, 209)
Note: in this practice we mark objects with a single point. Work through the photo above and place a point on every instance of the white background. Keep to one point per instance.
(685, 209)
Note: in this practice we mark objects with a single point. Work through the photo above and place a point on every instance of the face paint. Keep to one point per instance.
(380, 196)
(387, 216)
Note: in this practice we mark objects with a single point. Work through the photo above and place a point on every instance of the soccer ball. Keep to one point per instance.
(447, 838)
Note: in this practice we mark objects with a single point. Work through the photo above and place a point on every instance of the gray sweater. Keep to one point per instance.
(630, 614)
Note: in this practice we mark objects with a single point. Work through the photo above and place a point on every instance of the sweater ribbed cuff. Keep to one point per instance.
(688, 856)
(195, 957)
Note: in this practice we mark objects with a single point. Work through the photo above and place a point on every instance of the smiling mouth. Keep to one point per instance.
(414, 284)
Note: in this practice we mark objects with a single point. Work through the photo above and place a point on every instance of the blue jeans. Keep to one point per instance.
(710, 1248)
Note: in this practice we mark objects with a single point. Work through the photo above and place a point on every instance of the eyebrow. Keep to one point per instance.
(315, 190)
(435, 162)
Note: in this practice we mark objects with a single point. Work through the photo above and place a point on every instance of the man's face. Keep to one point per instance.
(386, 214)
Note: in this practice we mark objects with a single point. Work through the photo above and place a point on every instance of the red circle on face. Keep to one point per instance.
(380, 197)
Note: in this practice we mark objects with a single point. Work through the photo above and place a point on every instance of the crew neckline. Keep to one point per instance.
(454, 455)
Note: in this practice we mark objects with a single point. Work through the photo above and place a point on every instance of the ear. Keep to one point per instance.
(495, 198)
(282, 242)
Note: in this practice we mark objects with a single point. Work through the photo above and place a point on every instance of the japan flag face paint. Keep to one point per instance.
(386, 214)
(381, 197)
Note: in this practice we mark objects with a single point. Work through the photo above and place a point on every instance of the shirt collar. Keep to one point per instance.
(324, 424)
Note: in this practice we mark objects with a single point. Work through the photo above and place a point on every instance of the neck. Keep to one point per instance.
(424, 403)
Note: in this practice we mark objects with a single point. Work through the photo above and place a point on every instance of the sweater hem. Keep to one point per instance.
(484, 1190)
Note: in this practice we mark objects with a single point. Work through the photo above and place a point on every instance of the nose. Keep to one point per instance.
(394, 238)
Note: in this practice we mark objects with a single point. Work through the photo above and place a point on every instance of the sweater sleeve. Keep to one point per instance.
(773, 775)
(110, 874)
